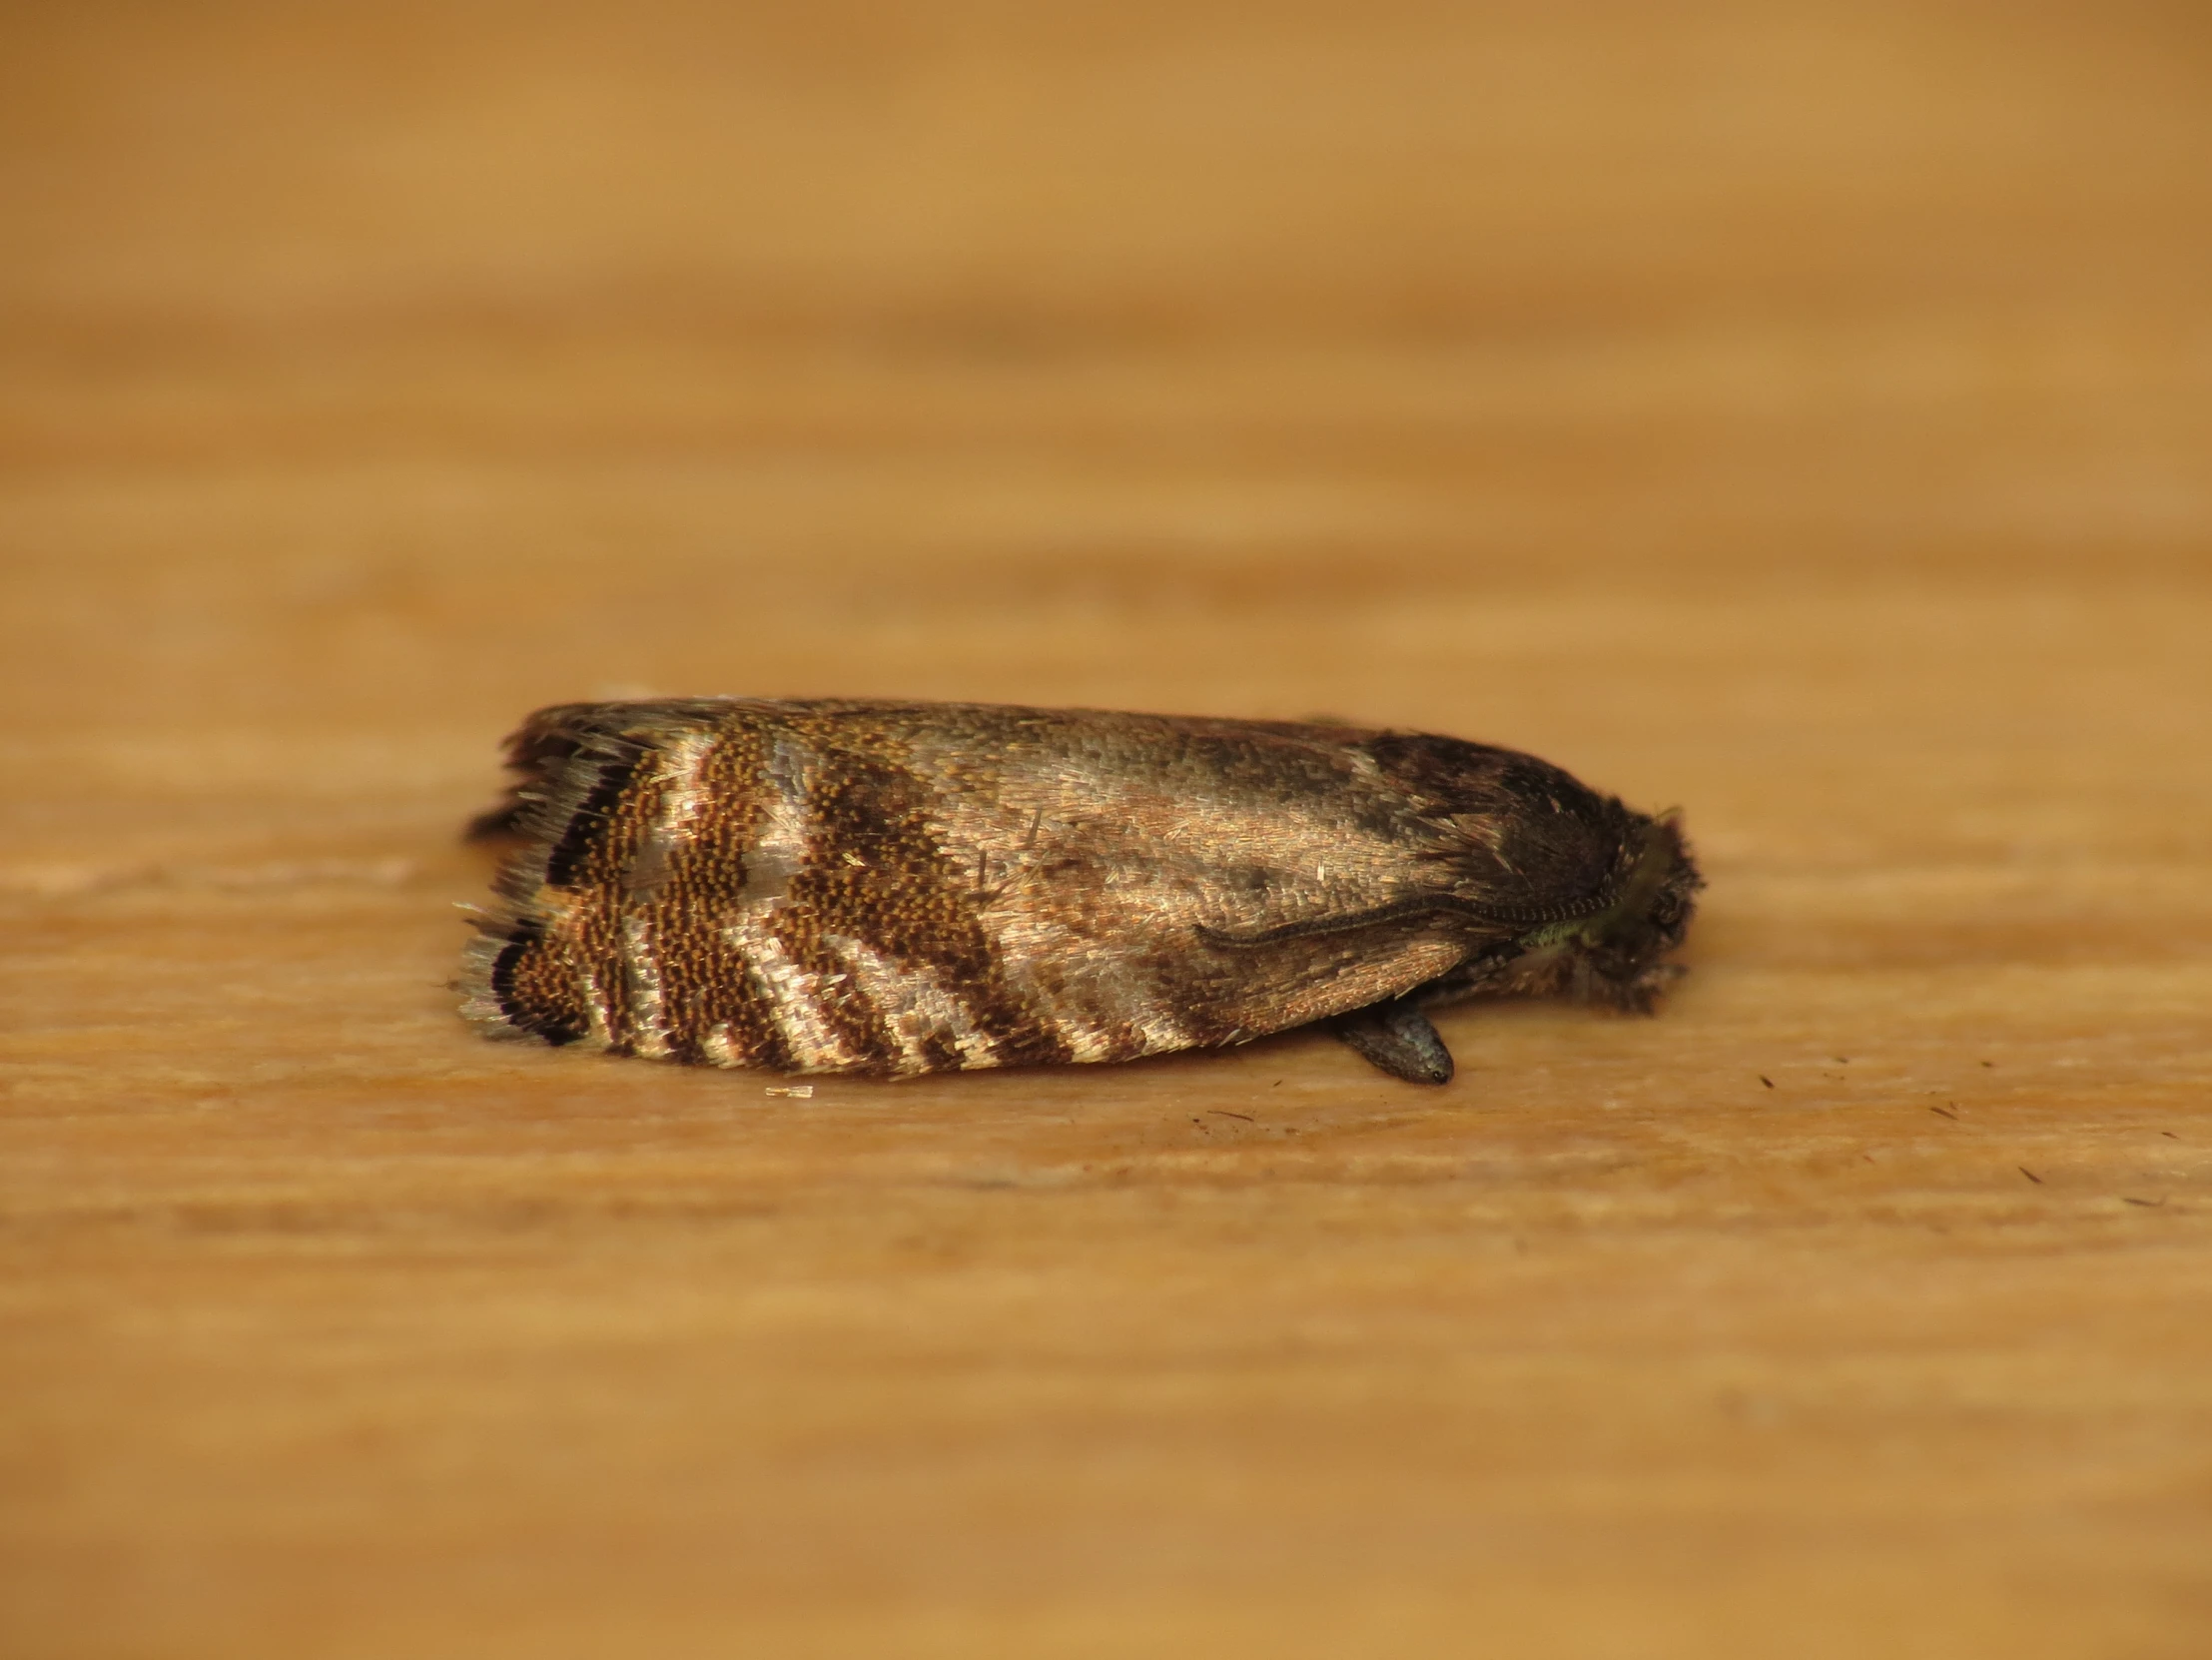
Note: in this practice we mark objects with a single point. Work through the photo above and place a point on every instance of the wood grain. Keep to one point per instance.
(1798, 412)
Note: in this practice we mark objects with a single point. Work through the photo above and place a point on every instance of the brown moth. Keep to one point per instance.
(899, 888)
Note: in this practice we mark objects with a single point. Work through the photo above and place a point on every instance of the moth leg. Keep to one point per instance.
(1398, 1038)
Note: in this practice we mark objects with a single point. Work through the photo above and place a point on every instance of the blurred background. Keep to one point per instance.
(1798, 411)
(379, 372)
(1075, 352)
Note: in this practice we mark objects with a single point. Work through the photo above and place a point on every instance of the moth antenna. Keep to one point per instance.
(1402, 910)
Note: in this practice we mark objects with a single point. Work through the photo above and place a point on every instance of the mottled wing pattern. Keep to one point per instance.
(895, 887)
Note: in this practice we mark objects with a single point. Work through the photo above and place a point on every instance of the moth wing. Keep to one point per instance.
(1289, 987)
(1136, 965)
(852, 887)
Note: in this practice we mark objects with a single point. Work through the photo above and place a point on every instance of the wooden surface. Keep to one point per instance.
(1800, 413)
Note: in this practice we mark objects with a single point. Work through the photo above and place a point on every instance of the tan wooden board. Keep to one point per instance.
(1799, 413)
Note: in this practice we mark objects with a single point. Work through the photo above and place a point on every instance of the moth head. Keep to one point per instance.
(1615, 955)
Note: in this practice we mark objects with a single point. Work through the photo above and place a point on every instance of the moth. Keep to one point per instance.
(888, 888)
